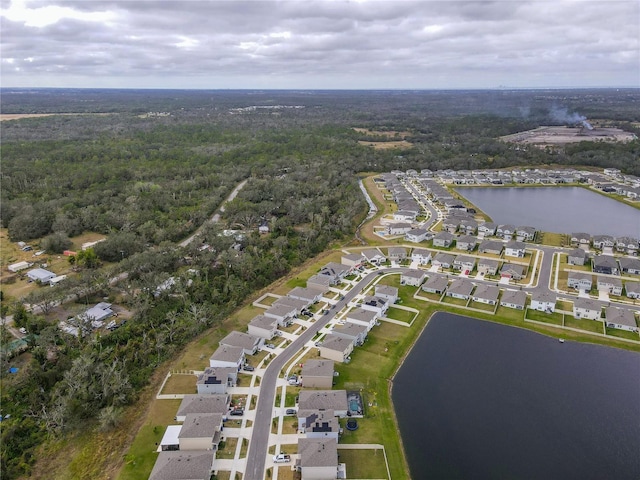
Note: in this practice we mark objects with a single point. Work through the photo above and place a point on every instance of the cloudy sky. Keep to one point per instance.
(357, 44)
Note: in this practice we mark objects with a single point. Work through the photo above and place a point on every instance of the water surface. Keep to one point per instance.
(556, 209)
(477, 400)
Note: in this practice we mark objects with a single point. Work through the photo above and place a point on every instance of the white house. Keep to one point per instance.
(387, 292)
(98, 314)
(421, 256)
(216, 380)
(436, 284)
(416, 235)
(610, 285)
(543, 301)
(580, 281)
(374, 256)
(486, 294)
(16, 267)
(514, 248)
(620, 318)
(318, 459)
(354, 332)
(413, 277)
(632, 289)
(40, 275)
(514, 299)
(460, 288)
(318, 424)
(375, 304)
(201, 431)
(587, 308)
(398, 228)
(216, 403)
(352, 260)
(335, 400)
(336, 348)
(310, 295)
(226, 356)
(282, 313)
(250, 344)
(360, 316)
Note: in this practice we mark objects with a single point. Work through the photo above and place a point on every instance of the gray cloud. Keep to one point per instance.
(321, 44)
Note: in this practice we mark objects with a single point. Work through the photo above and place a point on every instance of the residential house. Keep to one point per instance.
(178, 465)
(318, 424)
(40, 275)
(443, 239)
(421, 256)
(512, 270)
(486, 294)
(468, 226)
(443, 260)
(577, 257)
(610, 285)
(17, 267)
(627, 245)
(602, 241)
(460, 288)
(319, 282)
(581, 239)
(416, 235)
(580, 281)
(413, 277)
(398, 228)
(250, 344)
(487, 229)
(97, 314)
(317, 374)
(514, 248)
(466, 242)
(203, 404)
(620, 318)
(450, 225)
(632, 289)
(387, 292)
(397, 254)
(282, 313)
(487, 266)
(335, 400)
(216, 380)
(505, 231)
(311, 295)
(436, 284)
(525, 234)
(514, 299)
(335, 271)
(605, 264)
(491, 246)
(227, 356)
(200, 431)
(404, 216)
(464, 263)
(354, 332)
(367, 317)
(318, 459)
(352, 260)
(374, 256)
(630, 265)
(294, 305)
(543, 301)
(587, 308)
(335, 348)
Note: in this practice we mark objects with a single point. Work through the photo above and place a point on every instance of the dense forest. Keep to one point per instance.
(157, 165)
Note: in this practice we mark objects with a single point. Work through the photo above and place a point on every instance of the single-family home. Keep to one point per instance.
(468, 226)
(611, 285)
(318, 459)
(443, 239)
(416, 235)
(17, 267)
(311, 295)
(40, 275)
(491, 246)
(335, 400)
(587, 308)
(335, 271)
(460, 288)
(513, 299)
(464, 263)
(420, 255)
(387, 292)
(580, 280)
(366, 317)
(525, 234)
(632, 289)
(282, 313)
(605, 264)
(512, 270)
(443, 260)
(294, 305)
(397, 254)
(354, 332)
(318, 281)
(98, 314)
(317, 374)
(487, 266)
(200, 431)
(413, 277)
(581, 239)
(191, 465)
(404, 216)
(514, 248)
(227, 356)
(620, 318)
(398, 228)
(466, 242)
(250, 344)
(487, 229)
(577, 256)
(318, 424)
(505, 231)
(263, 327)
(630, 265)
(602, 241)
(450, 224)
(216, 380)
(486, 294)
(373, 256)
(543, 301)
(352, 260)
(191, 403)
(335, 348)
(627, 245)
(436, 284)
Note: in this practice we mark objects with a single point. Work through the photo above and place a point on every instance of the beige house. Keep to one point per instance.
(335, 348)
(201, 431)
(318, 459)
(263, 327)
(250, 344)
(226, 356)
(203, 404)
(335, 400)
(317, 374)
(196, 465)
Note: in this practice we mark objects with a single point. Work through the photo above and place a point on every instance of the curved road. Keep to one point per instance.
(257, 453)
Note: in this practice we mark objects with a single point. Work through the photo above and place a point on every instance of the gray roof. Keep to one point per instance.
(421, 251)
(487, 292)
(461, 286)
(193, 465)
(397, 251)
(281, 310)
(371, 253)
(621, 316)
(605, 261)
(217, 375)
(319, 420)
(580, 275)
(629, 262)
(215, 403)
(386, 290)
(322, 399)
(491, 245)
(242, 340)
(587, 304)
(467, 239)
(540, 296)
(578, 253)
(632, 287)
(414, 273)
(305, 293)
(318, 452)
(353, 257)
(199, 425)
(516, 297)
(513, 244)
(334, 342)
(291, 302)
(465, 259)
(226, 353)
(334, 268)
(261, 321)
(446, 236)
(488, 262)
(610, 281)
(513, 267)
(436, 282)
(319, 279)
(444, 258)
(349, 329)
(318, 368)
(361, 314)
(581, 236)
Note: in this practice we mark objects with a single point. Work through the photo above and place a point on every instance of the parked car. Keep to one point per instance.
(290, 411)
(281, 458)
(270, 345)
(238, 412)
(248, 368)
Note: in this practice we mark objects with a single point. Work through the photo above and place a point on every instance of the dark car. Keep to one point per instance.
(238, 412)
(290, 411)
(248, 368)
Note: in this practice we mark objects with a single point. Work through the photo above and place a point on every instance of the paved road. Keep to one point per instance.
(257, 453)
(424, 203)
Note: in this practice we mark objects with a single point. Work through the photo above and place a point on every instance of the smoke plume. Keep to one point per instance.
(563, 115)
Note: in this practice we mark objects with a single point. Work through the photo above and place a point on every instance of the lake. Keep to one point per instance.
(478, 400)
(556, 209)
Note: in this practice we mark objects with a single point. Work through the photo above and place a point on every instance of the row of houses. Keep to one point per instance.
(628, 245)
(611, 285)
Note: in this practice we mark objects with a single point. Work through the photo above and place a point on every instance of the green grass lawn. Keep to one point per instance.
(509, 314)
(455, 301)
(583, 324)
(554, 318)
(616, 332)
(177, 383)
(482, 306)
(401, 315)
(229, 449)
(431, 296)
(364, 463)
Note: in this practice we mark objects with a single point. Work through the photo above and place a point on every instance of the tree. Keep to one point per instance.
(87, 258)
(56, 243)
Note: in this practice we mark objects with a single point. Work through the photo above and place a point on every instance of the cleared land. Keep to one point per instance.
(390, 139)
(550, 136)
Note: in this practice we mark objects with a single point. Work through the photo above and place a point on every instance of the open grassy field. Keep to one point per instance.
(403, 144)
(584, 324)
(364, 464)
(615, 332)
(178, 383)
(405, 316)
(554, 318)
